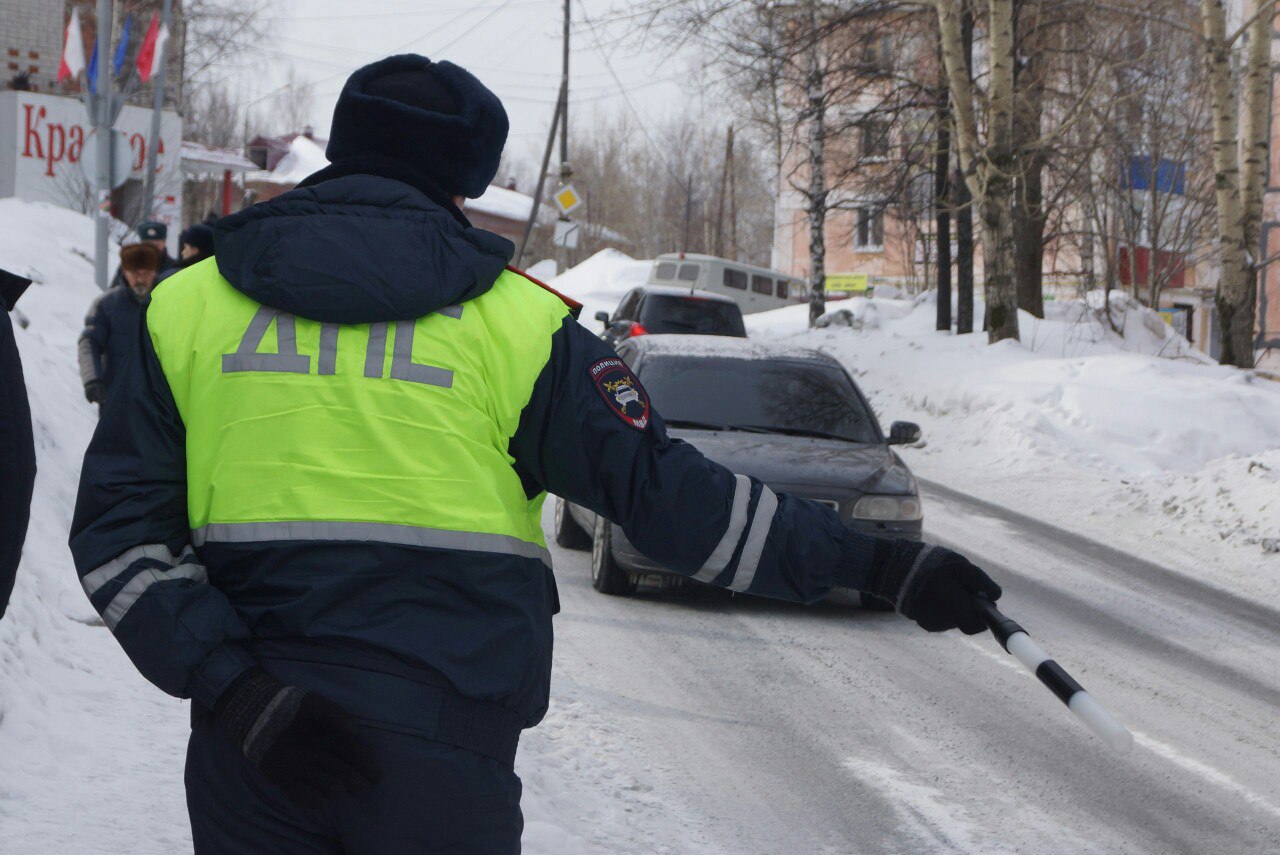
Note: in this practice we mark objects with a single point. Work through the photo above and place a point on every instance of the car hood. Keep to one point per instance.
(794, 462)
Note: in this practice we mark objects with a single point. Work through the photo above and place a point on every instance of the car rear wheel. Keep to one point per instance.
(568, 533)
(607, 576)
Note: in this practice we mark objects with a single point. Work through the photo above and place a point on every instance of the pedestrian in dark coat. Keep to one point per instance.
(111, 327)
(195, 246)
(17, 446)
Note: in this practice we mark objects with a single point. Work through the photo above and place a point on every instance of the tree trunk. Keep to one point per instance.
(963, 207)
(1236, 298)
(942, 207)
(817, 174)
(996, 195)
(1028, 203)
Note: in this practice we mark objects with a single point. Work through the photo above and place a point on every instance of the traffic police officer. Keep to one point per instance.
(316, 511)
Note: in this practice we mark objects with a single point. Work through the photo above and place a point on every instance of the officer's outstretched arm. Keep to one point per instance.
(130, 541)
(677, 507)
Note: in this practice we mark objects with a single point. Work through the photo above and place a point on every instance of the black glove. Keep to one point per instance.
(95, 392)
(301, 741)
(930, 584)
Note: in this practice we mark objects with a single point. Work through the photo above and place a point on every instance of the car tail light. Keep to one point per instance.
(637, 329)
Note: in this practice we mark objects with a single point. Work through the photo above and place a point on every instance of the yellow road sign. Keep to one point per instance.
(567, 199)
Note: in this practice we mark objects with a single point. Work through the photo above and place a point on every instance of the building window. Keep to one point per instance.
(877, 52)
(736, 279)
(869, 236)
(875, 138)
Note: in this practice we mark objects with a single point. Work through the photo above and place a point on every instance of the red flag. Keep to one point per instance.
(147, 52)
(72, 49)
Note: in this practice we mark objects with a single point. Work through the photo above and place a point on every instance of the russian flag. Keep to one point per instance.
(72, 49)
(151, 54)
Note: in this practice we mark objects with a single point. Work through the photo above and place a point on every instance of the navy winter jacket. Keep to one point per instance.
(17, 447)
(110, 335)
(194, 612)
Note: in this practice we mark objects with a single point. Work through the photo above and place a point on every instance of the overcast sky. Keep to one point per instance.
(514, 46)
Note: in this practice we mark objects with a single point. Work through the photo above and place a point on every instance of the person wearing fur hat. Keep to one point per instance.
(315, 506)
(111, 327)
(155, 234)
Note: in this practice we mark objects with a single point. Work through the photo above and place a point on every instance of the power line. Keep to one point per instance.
(394, 50)
(402, 14)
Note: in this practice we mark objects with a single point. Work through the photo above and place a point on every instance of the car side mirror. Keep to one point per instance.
(603, 317)
(904, 433)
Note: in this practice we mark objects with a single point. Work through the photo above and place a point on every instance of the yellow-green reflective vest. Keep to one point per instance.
(388, 432)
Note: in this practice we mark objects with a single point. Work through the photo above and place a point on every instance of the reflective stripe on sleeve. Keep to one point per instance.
(95, 579)
(137, 586)
(388, 533)
(761, 524)
(719, 558)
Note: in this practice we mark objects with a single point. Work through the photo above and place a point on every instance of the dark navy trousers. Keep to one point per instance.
(433, 797)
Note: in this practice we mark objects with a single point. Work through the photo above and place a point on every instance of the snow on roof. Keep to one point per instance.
(680, 291)
(306, 156)
(508, 204)
(725, 347)
(198, 158)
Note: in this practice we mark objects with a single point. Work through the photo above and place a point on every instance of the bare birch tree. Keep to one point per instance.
(1240, 145)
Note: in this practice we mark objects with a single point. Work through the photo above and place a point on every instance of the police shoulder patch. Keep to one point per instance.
(621, 391)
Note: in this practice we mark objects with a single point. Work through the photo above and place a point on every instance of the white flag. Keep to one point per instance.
(72, 49)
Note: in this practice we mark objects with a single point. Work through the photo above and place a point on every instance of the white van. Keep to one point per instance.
(754, 289)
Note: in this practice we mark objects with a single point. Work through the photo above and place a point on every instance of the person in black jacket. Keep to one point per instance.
(196, 245)
(111, 327)
(313, 505)
(17, 446)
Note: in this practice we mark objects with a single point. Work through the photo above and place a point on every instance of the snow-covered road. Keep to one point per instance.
(696, 722)
(761, 727)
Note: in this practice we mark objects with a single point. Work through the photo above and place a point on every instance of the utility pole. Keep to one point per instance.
(725, 174)
(156, 108)
(566, 172)
(103, 118)
(733, 204)
(688, 212)
(542, 176)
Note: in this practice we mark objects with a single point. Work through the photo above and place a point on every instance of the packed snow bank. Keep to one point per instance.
(600, 282)
(1130, 437)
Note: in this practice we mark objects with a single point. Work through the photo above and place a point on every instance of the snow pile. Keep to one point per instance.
(305, 157)
(601, 281)
(1132, 438)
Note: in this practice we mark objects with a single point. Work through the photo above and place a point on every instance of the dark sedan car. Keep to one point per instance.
(792, 417)
(661, 309)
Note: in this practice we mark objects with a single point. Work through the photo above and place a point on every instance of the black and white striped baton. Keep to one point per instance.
(1017, 643)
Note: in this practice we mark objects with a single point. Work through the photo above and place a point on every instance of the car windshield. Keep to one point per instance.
(671, 314)
(799, 398)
